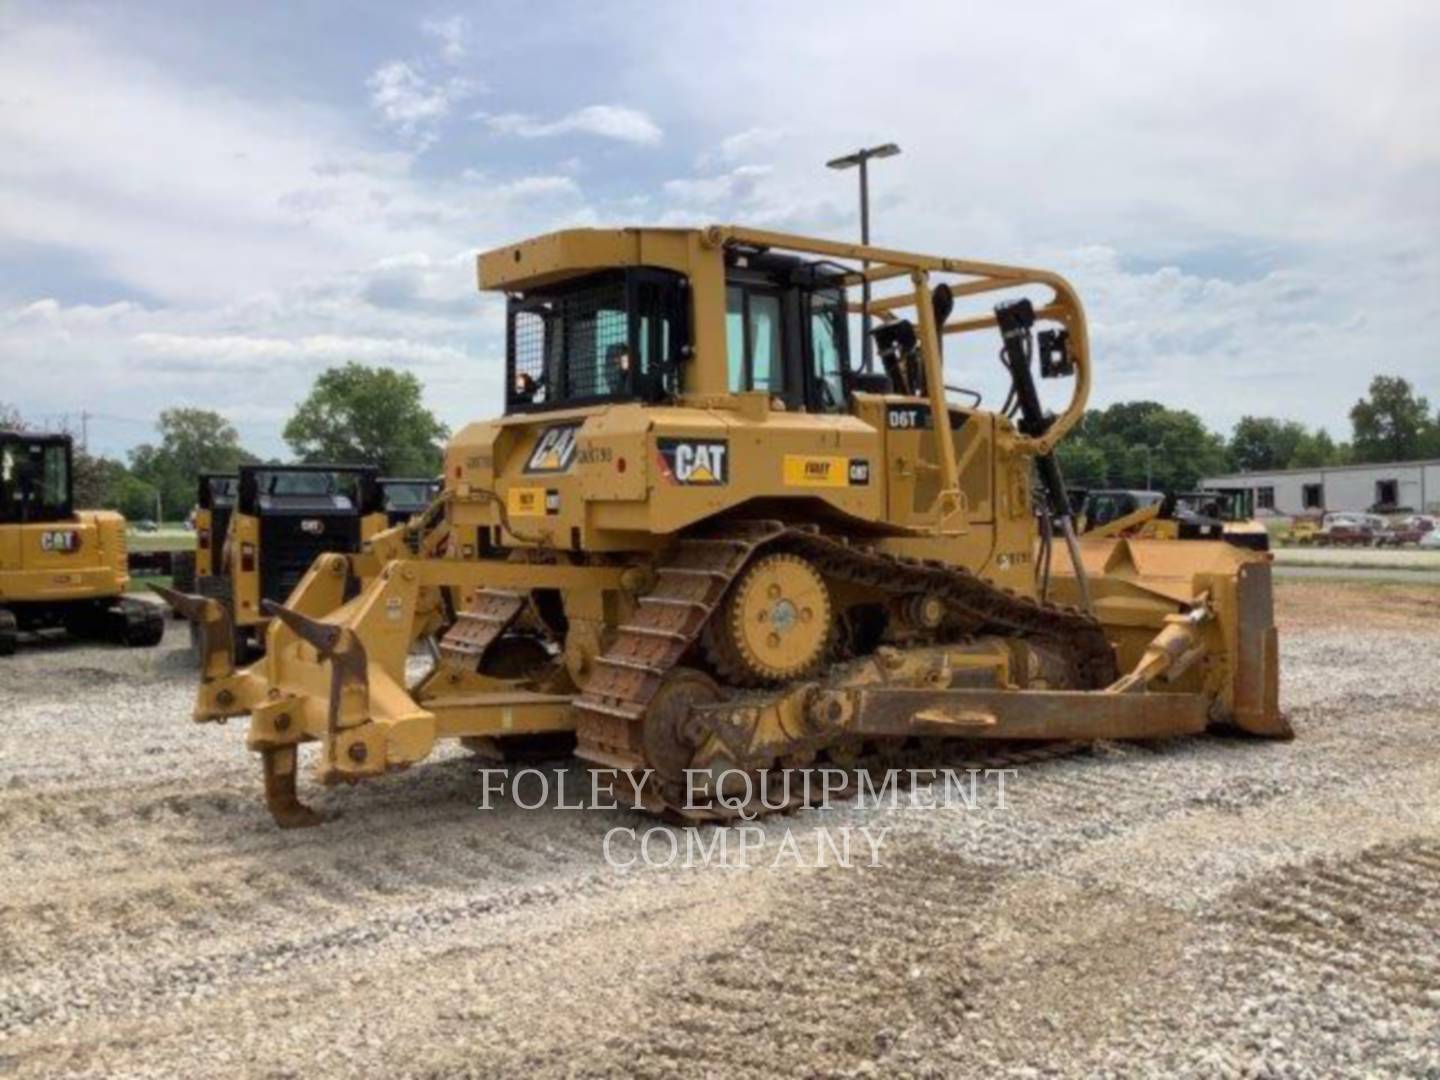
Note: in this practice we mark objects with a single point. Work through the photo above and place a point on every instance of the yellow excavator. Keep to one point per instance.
(707, 545)
(61, 568)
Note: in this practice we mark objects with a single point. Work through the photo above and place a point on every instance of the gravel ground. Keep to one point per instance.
(1204, 907)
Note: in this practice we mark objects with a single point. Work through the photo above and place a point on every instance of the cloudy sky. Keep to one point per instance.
(209, 204)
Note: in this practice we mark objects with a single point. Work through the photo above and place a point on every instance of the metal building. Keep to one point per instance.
(1402, 485)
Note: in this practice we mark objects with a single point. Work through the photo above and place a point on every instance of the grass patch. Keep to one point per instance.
(164, 540)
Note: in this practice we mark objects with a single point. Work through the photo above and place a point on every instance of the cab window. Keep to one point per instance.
(34, 480)
(753, 336)
(827, 329)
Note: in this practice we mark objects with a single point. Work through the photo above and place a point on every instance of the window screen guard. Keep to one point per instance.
(611, 336)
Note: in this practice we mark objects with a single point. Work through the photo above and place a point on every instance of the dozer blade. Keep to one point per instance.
(216, 628)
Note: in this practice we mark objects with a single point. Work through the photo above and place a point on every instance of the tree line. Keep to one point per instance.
(1144, 444)
(353, 414)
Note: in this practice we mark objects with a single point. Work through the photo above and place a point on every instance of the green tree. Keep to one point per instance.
(1314, 449)
(1133, 444)
(96, 481)
(356, 414)
(1392, 424)
(192, 441)
(1263, 442)
(132, 496)
(10, 418)
(1082, 463)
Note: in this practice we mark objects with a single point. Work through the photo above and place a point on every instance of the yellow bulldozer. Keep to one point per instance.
(61, 568)
(707, 546)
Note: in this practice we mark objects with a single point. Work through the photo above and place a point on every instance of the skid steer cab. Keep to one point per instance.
(281, 519)
(1209, 514)
(61, 569)
(406, 496)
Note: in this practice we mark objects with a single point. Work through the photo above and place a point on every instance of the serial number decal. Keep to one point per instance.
(595, 455)
(65, 541)
(554, 450)
(811, 470)
(695, 462)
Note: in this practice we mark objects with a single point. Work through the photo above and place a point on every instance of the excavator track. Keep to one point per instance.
(693, 580)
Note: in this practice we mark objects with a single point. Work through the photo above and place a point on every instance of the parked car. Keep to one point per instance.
(1431, 540)
(1408, 530)
(1347, 529)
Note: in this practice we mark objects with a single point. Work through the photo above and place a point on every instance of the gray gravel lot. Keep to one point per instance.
(1205, 907)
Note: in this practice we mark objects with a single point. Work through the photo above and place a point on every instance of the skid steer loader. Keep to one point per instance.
(708, 545)
(61, 568)
(267, 524)
(405, 496)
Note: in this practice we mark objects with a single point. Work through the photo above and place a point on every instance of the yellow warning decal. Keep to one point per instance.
(525, 501)
(805, 470)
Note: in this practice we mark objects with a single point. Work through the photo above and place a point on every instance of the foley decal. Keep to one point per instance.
(695, 462)
(531, 501)
(810, 470)
(554, 450)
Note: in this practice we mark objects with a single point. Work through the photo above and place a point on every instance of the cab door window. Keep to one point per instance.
(754, 340)
(827, 329)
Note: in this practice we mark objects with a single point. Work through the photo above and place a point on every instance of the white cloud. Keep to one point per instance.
(410, 102)
(605, 121)
(451, 34)
(705, 191)
(743, 146)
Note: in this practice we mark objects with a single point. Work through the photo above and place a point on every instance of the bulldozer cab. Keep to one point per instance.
(284, 516)
(624, 335)
(35, 478)
(214, 503)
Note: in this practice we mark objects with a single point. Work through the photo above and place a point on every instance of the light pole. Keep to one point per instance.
(862, 159)
(1149, 463)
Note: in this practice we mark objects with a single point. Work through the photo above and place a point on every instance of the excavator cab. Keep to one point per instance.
(61, 568)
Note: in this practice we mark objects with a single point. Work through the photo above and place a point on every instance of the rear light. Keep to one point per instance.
(247, 558)
(202, 539)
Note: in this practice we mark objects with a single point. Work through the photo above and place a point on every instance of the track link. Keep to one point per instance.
(488, 615)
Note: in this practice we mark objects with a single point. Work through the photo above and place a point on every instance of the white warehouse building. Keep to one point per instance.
(1411, 485)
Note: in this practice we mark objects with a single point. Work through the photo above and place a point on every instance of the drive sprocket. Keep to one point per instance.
(776, 622)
